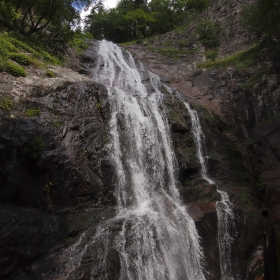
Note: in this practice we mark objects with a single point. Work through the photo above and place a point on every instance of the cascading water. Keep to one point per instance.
(226, 220)
(158, 239)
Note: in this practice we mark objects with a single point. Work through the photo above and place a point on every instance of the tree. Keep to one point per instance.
(263, 23)
(31, 16)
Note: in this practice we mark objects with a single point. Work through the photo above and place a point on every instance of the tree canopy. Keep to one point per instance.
(31, 16)
(262, 19)
(135, 19)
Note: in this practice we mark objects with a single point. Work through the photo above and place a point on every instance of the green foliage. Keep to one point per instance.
(28, 17)
(31, 112)
(197, 6)
(262, 20)
(260, 184)
(211, 54)
(209, 34)
(20, 58)
(173, 52)
(56, 123)
(242, 60)
(20, 46)
(50, 73)
(35, 149)
(132, 20)
(14, 69)
(6, 46)
(183, 43)
(6, 104)
(98, 105)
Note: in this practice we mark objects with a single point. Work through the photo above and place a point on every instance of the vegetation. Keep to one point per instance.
(241, 60)
(6, 104)
(20, 58)
(14, 69)
(263, 23)
(31, 112)
(35, 149)
(138, 19)
(208, 34)
(29, 17)
(50, 73)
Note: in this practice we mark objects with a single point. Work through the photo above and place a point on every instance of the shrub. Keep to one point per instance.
(6, 47)
(50, 73)
(24, 47)
(14, 69)
(31, 112)
(6, 104)
(242, 60)
(35, 149)
(20, 58)
(208, 34)
(211, 54)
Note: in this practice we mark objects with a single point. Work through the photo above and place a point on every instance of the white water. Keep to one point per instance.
(158, 239)
(226, 219)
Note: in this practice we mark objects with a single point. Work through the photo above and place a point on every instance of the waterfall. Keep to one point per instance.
(226, 220)
(157, 238)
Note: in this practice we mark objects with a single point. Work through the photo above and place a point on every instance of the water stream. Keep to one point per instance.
(158, 239)
(226, 218)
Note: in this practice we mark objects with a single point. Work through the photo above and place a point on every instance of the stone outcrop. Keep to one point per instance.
(56, 181)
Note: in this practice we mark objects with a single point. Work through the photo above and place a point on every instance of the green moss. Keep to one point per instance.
(242, 60)
(31, 112)
(14, 69)
(20, 58)
(6, 104)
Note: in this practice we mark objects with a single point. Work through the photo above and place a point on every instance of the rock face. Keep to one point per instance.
(56, 181)
(246, 117)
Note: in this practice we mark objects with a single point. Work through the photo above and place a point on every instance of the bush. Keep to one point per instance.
(31, 112)
(211, 54)
(24, 47)
(6, 104)
(20, 58)
(208, 34)
(14, 69)
(6, 47)
(50, 73)
(35, 150)
(242, 60)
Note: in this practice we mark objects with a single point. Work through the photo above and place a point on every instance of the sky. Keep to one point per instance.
(107, 3)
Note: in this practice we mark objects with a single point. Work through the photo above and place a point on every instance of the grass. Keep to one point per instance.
(20, 58)
(14, 69)
(50, 73)
(31, 112)
(6, 104)
(24, 52)
(172, 52)
(242, 60)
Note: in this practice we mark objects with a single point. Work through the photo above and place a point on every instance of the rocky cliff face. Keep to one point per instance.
(56, 182)
(247, 118)
(55, 178)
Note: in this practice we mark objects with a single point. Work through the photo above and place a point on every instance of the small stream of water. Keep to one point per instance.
(226, 219)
